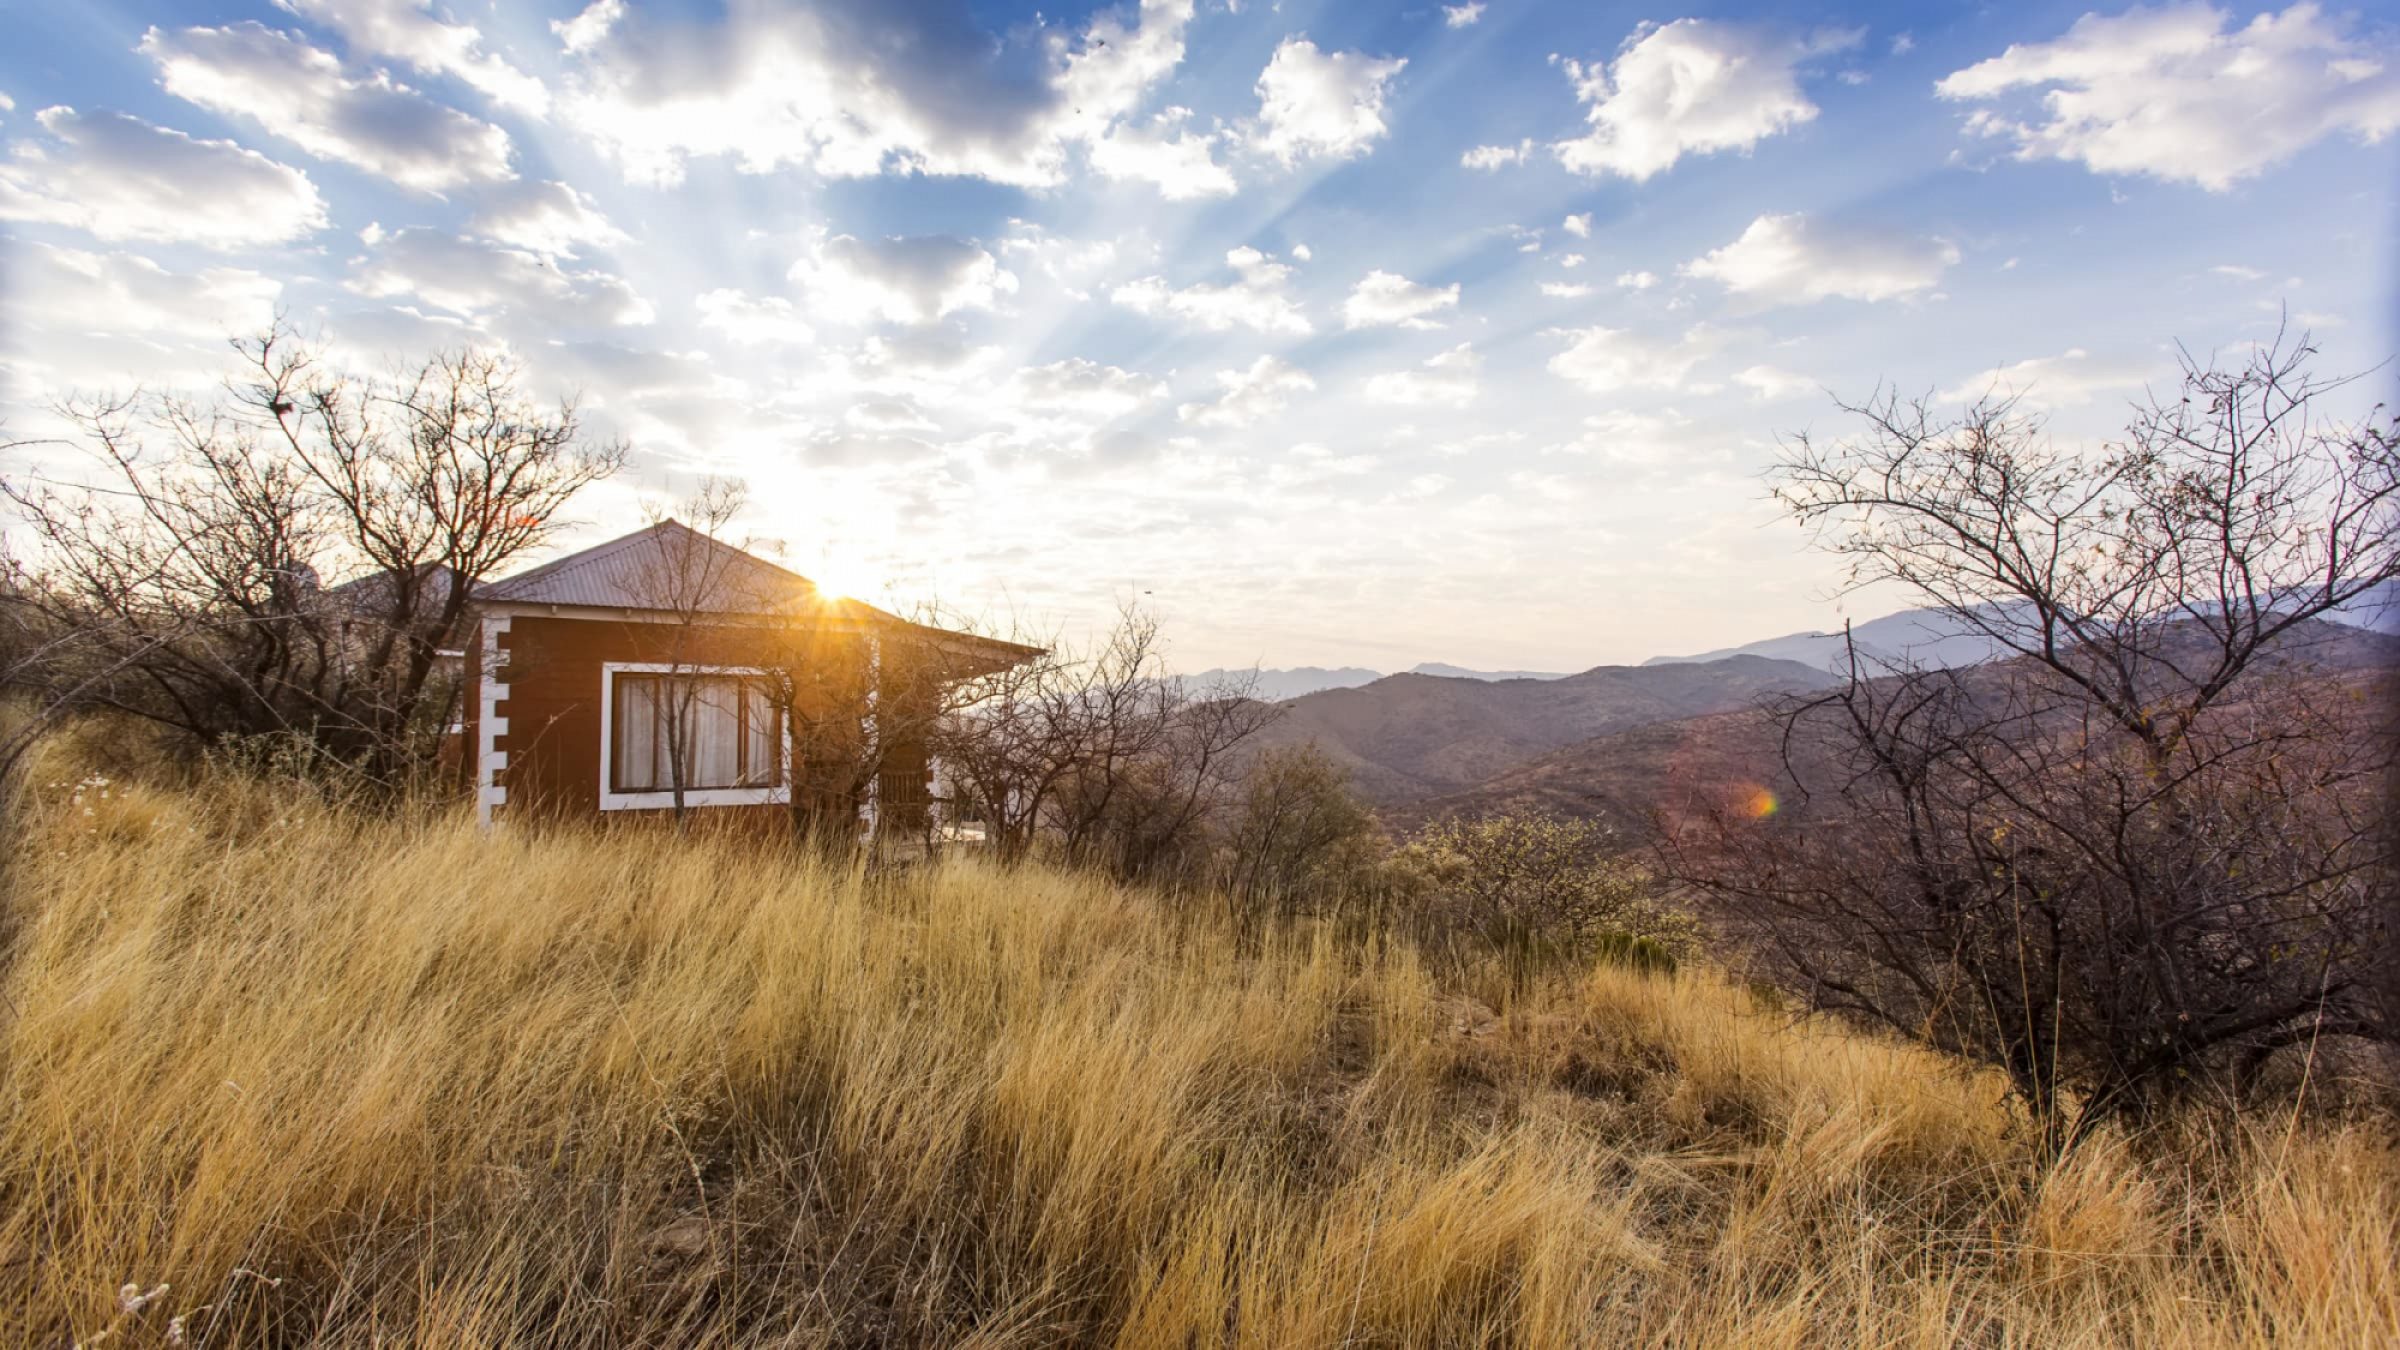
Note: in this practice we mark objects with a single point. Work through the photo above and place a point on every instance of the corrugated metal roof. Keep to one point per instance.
(667, 566)
(650, 568)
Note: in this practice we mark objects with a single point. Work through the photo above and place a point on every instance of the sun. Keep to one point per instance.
(842, 578)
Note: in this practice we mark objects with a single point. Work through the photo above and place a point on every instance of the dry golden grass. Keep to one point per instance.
(341, 1080)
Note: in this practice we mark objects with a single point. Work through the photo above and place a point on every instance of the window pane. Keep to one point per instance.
(759, 758)
(727, 735)
(713, 748)
(634, 733)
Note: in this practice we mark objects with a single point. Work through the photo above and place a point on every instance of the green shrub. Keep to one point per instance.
(1534, 890)
(1635, 951)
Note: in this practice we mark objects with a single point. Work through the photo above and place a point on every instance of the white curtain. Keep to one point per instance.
(728, 732)
(640, 756)
(758, 731)
(713, 739)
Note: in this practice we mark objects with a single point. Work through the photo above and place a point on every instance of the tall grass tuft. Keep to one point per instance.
(279, 1073)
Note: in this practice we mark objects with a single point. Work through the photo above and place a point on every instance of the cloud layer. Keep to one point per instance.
(118, 177)
(1694, 86)
(2178, 93)
(300, 93)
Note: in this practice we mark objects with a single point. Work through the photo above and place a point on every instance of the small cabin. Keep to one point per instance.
(604, 684)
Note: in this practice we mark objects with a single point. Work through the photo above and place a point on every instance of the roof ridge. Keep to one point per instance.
(581, 558)
(599, 558)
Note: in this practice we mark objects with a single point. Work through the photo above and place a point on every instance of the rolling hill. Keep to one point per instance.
(1408, 737)
(1280, 684)
(1626, 777)
(1928, 637)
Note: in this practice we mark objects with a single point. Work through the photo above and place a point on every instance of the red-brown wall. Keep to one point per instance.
(552, 667)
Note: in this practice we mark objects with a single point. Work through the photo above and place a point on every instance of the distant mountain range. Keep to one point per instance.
(1406, 737)
(1276, 686)
(1921, 637)
(1927, 637)
(1606, 742)
(1624, 776)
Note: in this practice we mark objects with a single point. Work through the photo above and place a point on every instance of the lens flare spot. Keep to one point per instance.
(1758, 802)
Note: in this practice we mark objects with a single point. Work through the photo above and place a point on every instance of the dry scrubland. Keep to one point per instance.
(333, 1079)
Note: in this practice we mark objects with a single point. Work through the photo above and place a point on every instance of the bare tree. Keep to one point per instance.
(853, 694)
(865, 695)
(291, 559)
(1531, 889)
(47, 670)
(1296, 833)
(2146, 577)
(2132, 856)
(1102, 755)
(692, 579)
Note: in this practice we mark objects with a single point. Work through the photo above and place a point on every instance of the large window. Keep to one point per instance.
(728, 733)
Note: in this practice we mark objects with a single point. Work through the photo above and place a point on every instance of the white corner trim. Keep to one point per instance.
(611, 800)
(489, 724)
(873, 729)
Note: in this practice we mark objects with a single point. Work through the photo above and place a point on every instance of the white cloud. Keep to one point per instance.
(1793, 259)
(1182, 163)
(369, 336)
(1645, 440)
(1260, 391)
(1492, 157)
(549, 218)
(1259, 299)
(590, 27)
(1447, 379)
(620, 375)
(2172, 93)
(1637, 281)
(887, 414)
(472, 276)
(858, 87)
(301, 94)
(1315, 104)
(1771, 383)
(119, 177)
(409, 30)
(912, 353)
(1570, 260)
(912, 279)
(72, 290)
(1565, 290)
(2236, 271)
(753, 319)
(1606, 360)
(1077, 391)
(1075, 264)
(1579, 225)
(1462, 16)
(1694, 86)
(2069, 379)
(1387, 298)
(1311, 463)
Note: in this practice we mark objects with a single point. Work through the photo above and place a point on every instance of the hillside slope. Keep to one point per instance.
(1626, 777)
(1929, 637)
(1409, 737)
(304, 1078)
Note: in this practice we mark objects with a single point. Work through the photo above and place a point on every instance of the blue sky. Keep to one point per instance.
(1342, 334)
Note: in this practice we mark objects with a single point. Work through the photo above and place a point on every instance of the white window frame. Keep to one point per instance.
(664, 799)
